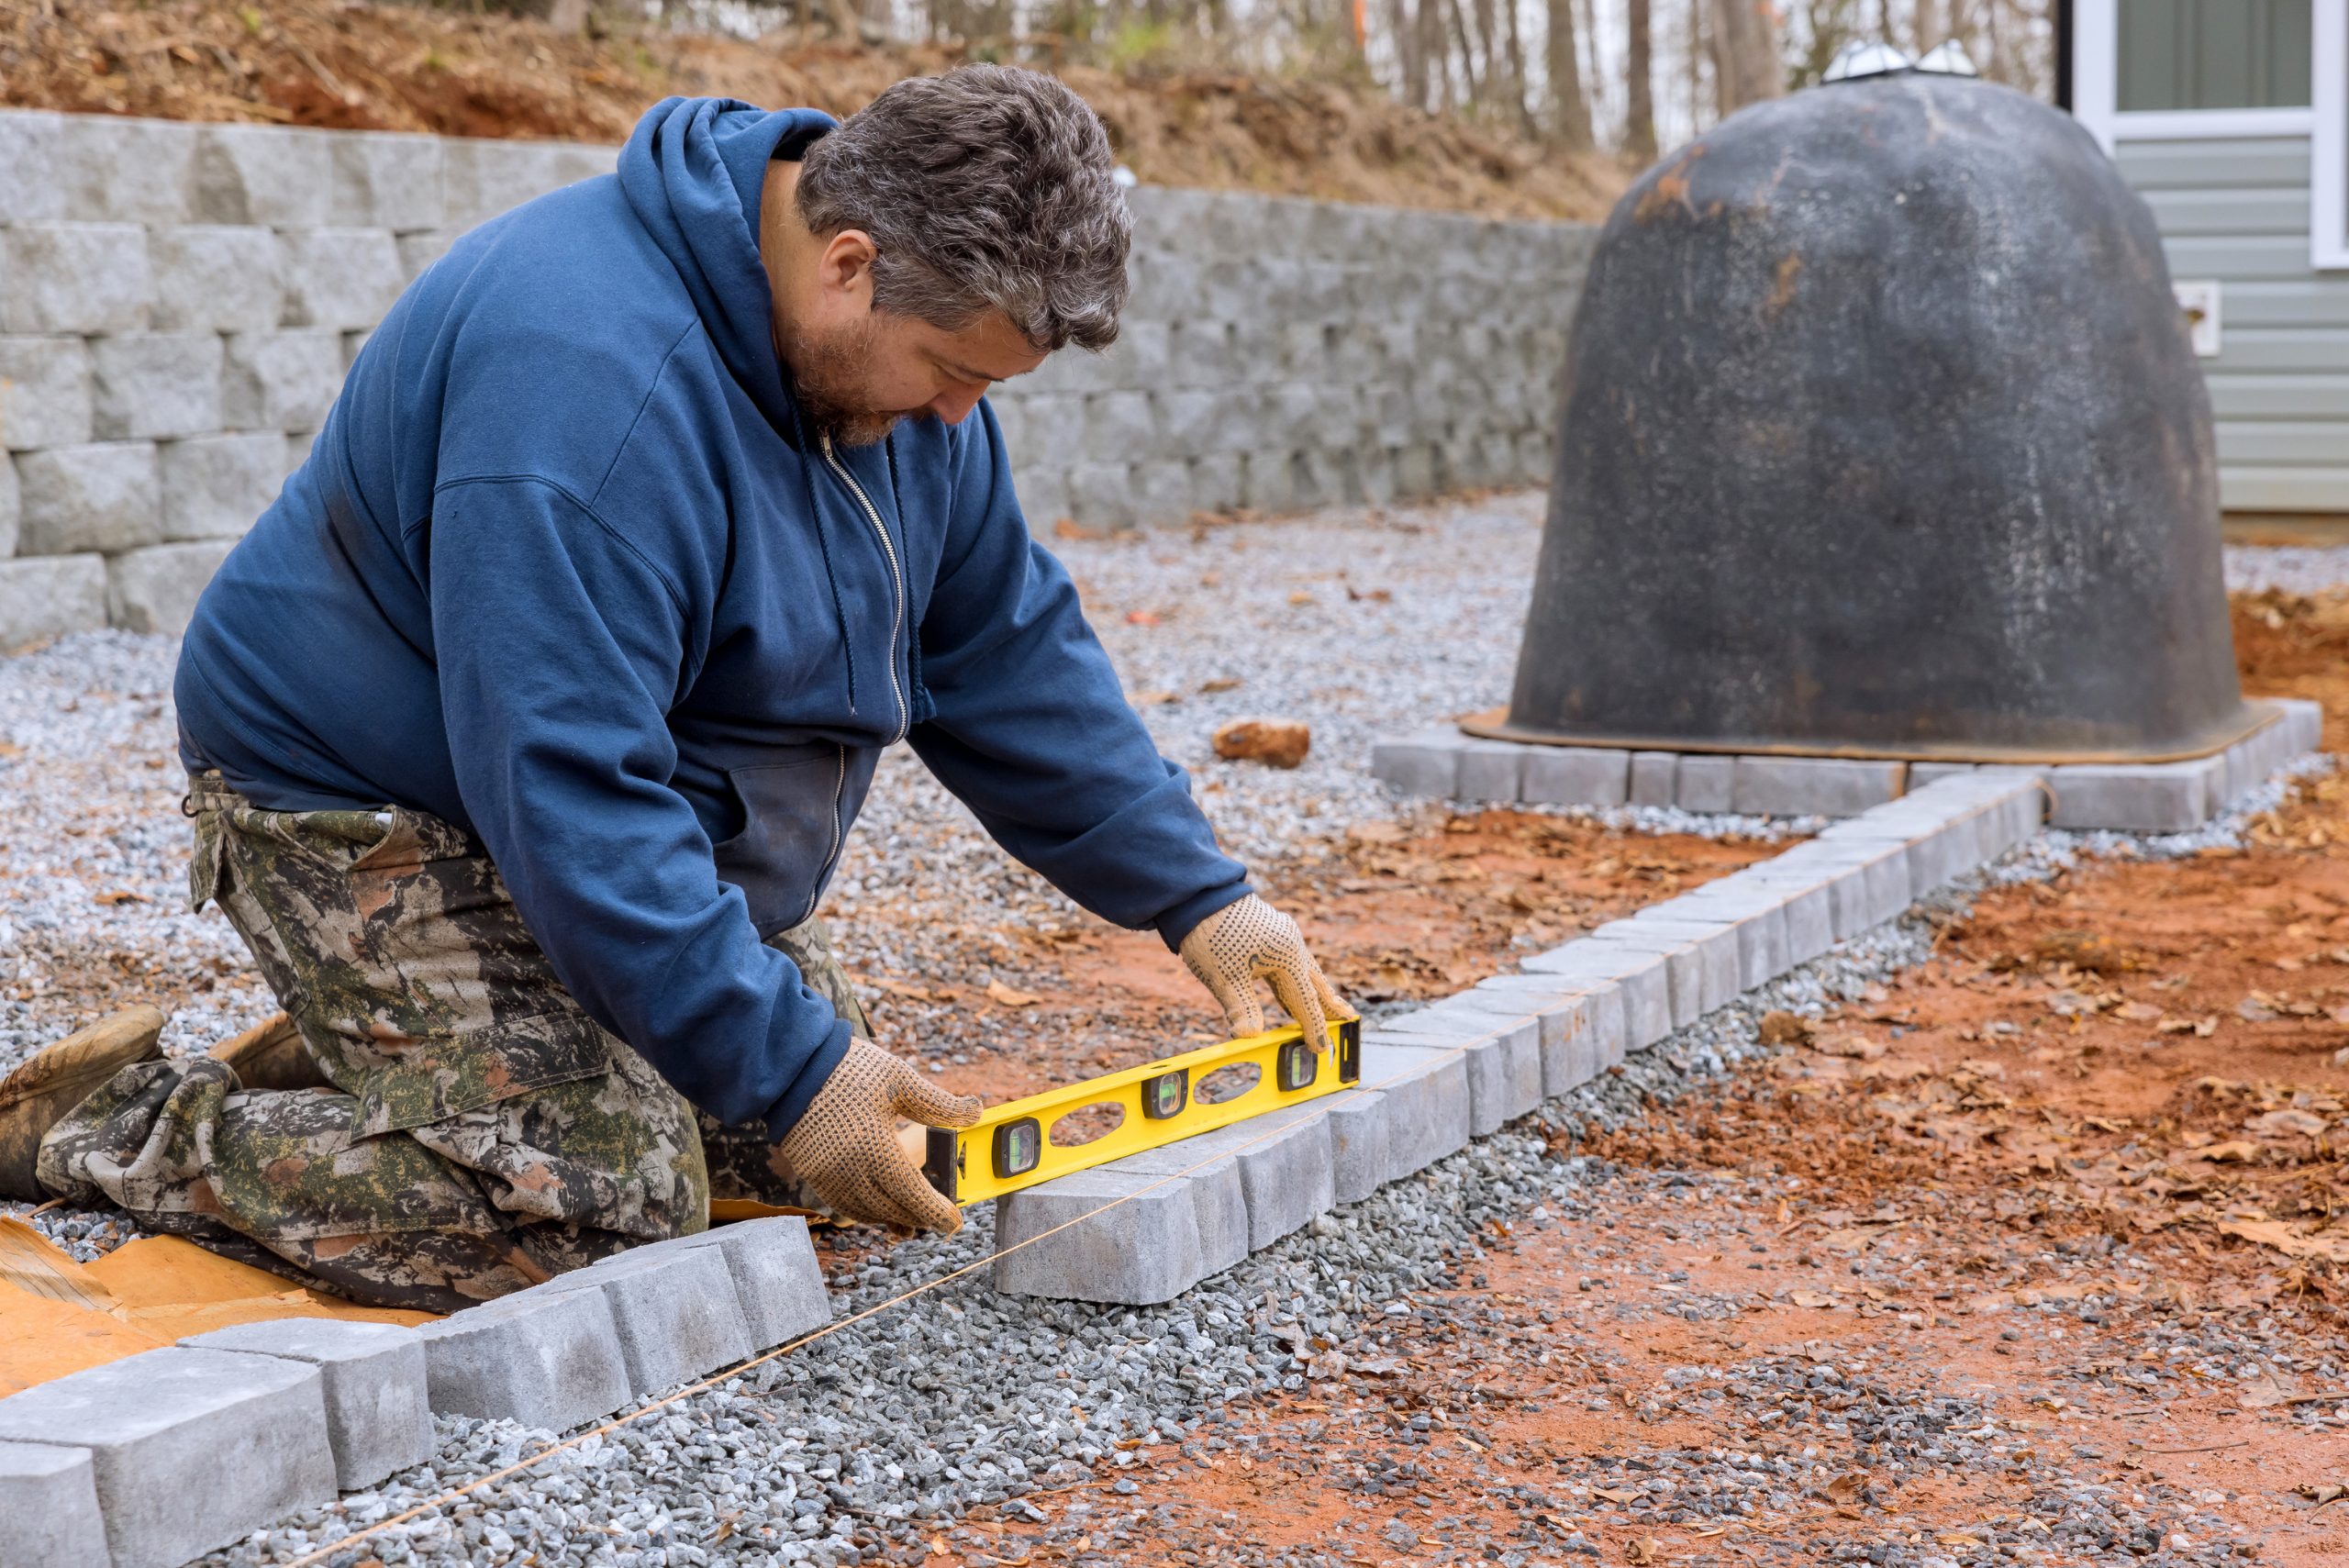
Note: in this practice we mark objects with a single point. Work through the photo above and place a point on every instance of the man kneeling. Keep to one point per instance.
(526, 728)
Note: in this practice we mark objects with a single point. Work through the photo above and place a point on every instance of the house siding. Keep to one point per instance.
(2237, 210)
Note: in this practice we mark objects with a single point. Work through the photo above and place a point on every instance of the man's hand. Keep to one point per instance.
(846, 1145)
(1241, 943)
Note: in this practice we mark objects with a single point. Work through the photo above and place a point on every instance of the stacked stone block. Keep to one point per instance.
(1281, 354)
(179, 304)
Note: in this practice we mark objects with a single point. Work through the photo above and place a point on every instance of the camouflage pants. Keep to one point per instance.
(481, 1133)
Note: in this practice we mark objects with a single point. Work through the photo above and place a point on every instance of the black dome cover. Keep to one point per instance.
(1883, 437)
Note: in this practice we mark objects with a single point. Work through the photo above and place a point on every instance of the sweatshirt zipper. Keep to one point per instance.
(896, 581)
(832, 856)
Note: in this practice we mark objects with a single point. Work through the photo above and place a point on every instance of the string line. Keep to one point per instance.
(434, 1505)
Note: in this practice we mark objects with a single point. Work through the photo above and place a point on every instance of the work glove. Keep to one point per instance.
(1251, 941)
(846, 1145)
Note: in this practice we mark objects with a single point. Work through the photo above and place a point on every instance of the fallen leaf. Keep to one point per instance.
(1067, 528)
(1779, 1028)
(1300, 597)
(2333, 1245)
(2286, 1124)
(1153, 699)
(1641, 1551)
(2261, 1394)
(1614, 1495)
(1857, 1047)
(2321, 1496)
(1140, 617)
(122, 897)
(997, 992)
(2235, 1151)
(2174, 1026)
(1810, 1298)
(2251, 1009)
(1847, 1488)
(2138, 1012)
(1219, 684)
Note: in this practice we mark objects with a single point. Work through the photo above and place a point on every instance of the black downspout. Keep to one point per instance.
(2064, 55)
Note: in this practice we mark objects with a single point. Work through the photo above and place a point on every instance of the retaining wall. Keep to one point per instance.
(179, 303)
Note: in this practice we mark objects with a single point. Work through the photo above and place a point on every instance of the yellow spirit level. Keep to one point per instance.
(1011, 1146)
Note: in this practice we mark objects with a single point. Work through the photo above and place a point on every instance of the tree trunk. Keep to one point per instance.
(1745, 52)
(1569, 110)
(1638, 116)
(1435, 49)
(1517, 102)
(1487, 50)
(1410, 60)
(1467, 54)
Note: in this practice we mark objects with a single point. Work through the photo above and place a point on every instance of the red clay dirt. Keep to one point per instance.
(2137, 1058)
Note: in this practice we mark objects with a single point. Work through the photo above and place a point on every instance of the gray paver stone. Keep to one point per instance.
(189, 1450)
(340, 278)
(544, 1360)
(1576, 775)
(1806, 916)
(1359, 1160)
(30, 190)
(673, 1308)
(1492, 770)
(778, 1282)
(1656, 778)
(1707, 782)
(2156, 797)
(1218, 1203)
(1503, 1054)
(378, 1418)
(1815, 786)
(1139, 1252)
(49, 1503)
(1427, 1093)
(1427, 763)
(1285, 1171)
(1643, 979)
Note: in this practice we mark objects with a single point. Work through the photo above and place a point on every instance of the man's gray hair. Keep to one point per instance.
(988, 188)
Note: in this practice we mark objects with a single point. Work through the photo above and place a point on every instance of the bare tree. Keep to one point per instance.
(1638, 116)
(1569, 110)
(1746, 67)
(1411, 61)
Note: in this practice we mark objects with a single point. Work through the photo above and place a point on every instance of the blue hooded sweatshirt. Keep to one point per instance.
(567, 569)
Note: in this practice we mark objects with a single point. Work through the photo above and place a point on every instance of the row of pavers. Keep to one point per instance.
(1143, 1230)
(2144, 797)
(159, 1457)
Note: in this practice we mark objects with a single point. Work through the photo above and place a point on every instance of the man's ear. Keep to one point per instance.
(844, 270)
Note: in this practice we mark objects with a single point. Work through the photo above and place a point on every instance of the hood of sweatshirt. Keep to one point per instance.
(692, 171)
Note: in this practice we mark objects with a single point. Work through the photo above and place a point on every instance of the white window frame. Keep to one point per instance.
(2328, 138)
(2096, 95)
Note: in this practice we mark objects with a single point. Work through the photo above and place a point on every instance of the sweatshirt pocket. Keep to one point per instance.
(793, 818)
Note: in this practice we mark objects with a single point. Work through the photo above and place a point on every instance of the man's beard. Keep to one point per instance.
(828, 378)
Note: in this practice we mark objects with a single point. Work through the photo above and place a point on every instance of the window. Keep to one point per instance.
(2213, 54)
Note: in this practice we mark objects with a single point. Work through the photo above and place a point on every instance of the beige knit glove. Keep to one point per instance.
(846, 1145)
(1251, 941)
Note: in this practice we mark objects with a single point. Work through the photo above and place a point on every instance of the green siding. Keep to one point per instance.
(2238, 211)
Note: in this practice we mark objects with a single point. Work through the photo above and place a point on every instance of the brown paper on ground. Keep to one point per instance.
(38, 1266)
(59, 1317)
(41, 1338)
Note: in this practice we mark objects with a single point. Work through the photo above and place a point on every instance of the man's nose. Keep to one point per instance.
(955, 406)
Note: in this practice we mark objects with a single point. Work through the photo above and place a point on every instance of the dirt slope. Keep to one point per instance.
(391, 68)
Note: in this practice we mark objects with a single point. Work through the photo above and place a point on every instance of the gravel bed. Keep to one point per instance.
(864, 1444)
(2296, 569)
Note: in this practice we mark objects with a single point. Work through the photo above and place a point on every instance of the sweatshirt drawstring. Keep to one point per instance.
(922, 706)
(823, 545)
